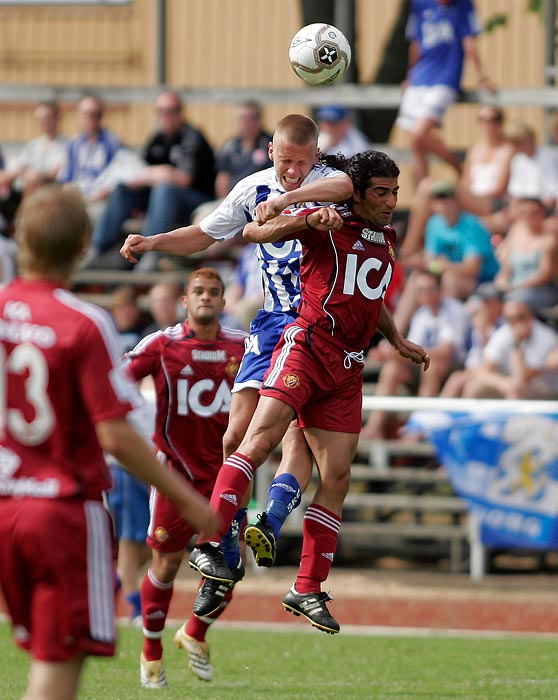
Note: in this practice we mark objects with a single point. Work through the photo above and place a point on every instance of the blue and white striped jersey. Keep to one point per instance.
(280, 261)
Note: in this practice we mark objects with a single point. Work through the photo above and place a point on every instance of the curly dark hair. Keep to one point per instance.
(362, 167)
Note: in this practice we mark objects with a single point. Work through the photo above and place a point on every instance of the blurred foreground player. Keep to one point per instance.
(65, 400)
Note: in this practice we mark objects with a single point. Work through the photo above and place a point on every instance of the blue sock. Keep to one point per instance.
(134, 599)
(230, 542)
(284, 497)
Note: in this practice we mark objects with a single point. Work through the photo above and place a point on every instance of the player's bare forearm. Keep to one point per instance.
(322, 219)
(181, 241)
(131, 450)
(328, 189)
(406, 348)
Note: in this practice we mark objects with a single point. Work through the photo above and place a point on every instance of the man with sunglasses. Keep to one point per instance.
(520, 361)
(178, 177)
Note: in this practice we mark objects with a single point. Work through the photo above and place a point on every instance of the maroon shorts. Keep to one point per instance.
(168, 531)
(56, 574)
(315, 379)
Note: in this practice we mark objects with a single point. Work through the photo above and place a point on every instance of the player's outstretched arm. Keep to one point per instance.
(326, 189)
(322, 219)
(185, 240)
(119, 439)
(406, 348)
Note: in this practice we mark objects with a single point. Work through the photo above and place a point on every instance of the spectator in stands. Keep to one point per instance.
(533, 174)
(8, 254)
(88, 154)
(41, 158)
(8, 247)
(456, 246)
(533, 168)
(338, 134)
(9, 202)
(245, 153)
(240, 156)
(164, 305)
(519, 360)
(441, 33)
(483, 185)
(485, 308)
(127, 316)
(179, 176)
(440, 324)
(529, 258)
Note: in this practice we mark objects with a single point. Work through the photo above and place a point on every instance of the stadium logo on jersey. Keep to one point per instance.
(209, 355)
(161, 534)
(232, 367)
(373, 236)
(187, 370)
(291, 381)
(358, 246)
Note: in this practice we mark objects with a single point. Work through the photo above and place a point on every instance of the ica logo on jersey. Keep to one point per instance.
(357, 276)
(202, 398)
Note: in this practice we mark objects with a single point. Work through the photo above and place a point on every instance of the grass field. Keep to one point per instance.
(307, 665)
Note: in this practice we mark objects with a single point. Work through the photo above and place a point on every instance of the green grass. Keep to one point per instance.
(308, 665)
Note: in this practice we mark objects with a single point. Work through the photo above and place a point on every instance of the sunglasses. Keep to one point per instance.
(516, 318)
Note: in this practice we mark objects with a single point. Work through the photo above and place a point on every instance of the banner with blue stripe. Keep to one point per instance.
(506, 467)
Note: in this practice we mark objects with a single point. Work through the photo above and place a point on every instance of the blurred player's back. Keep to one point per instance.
(50, 448)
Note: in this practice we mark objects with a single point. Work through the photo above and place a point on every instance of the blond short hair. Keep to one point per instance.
(52, 229)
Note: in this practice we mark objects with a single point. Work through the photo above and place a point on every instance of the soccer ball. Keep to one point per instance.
(319, 54)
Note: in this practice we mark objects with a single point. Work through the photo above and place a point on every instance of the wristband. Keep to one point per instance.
(312, 228)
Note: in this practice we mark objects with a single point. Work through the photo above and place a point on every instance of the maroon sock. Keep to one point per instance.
(155, 601)
(230, 486)
(319, 530)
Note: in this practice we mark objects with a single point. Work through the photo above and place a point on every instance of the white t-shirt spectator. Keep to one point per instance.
(536, 349)
(451, 325)
(534, 176)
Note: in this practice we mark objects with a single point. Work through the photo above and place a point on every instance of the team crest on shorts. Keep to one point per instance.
(291, 381)
(232, 367)
(161, 534)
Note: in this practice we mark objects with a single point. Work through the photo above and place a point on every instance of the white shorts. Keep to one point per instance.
(424, 102)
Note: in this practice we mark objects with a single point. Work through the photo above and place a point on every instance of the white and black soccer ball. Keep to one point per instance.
(319, 54)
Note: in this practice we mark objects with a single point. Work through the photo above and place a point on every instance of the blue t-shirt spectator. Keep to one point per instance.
(466, 238)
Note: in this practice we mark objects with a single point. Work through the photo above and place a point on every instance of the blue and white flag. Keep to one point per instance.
(506, 467)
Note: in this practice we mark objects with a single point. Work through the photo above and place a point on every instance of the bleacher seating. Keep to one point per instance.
(399, 501)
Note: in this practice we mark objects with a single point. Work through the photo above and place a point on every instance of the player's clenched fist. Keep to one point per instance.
(134, 245)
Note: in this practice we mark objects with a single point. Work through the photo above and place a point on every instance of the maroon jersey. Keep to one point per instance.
(344, 276)
(193, 380)
(61, 374)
